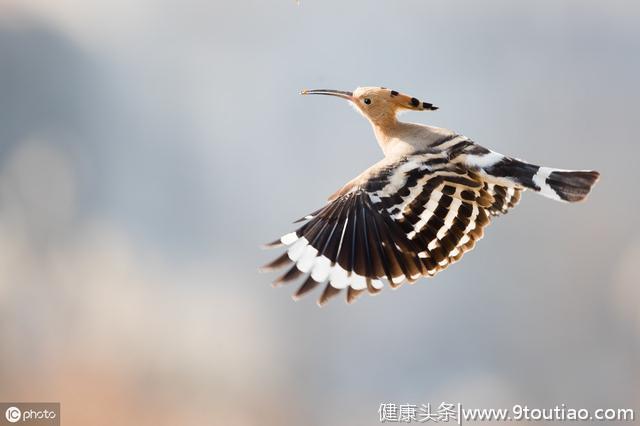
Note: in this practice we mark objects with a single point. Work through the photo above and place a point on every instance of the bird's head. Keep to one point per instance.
(379, 104)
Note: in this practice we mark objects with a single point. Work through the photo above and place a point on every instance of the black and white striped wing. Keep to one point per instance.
(408, 219)
(461, 150)
(505, 197)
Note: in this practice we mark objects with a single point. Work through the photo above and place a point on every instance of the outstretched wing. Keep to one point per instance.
(403, 219)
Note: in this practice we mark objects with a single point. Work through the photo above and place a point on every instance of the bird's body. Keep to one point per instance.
(416, 211)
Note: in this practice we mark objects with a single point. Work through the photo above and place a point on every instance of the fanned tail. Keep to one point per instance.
(562, 185)
(567, 185)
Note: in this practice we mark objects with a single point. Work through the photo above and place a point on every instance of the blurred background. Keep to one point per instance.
(148, 148)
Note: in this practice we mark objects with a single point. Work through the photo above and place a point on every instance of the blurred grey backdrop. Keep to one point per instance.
(148, 148)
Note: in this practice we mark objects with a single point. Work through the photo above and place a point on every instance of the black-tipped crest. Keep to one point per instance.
(411, 102)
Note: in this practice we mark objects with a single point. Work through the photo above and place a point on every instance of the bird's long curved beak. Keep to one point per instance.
(330, 92)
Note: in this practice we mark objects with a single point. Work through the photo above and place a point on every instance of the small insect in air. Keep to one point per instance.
(416, 211)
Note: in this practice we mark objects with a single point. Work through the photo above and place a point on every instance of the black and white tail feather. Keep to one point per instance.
(412, 217)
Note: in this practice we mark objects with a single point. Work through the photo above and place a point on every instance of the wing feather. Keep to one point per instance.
(401, 220)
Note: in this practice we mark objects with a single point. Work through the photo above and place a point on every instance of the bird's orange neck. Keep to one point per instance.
(385, 129)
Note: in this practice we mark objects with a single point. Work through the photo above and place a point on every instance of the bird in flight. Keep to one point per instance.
(416, 211)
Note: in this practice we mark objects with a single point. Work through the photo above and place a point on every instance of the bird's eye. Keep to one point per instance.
(367, 101)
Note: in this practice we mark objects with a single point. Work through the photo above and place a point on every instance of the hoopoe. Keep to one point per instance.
(416, 211)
